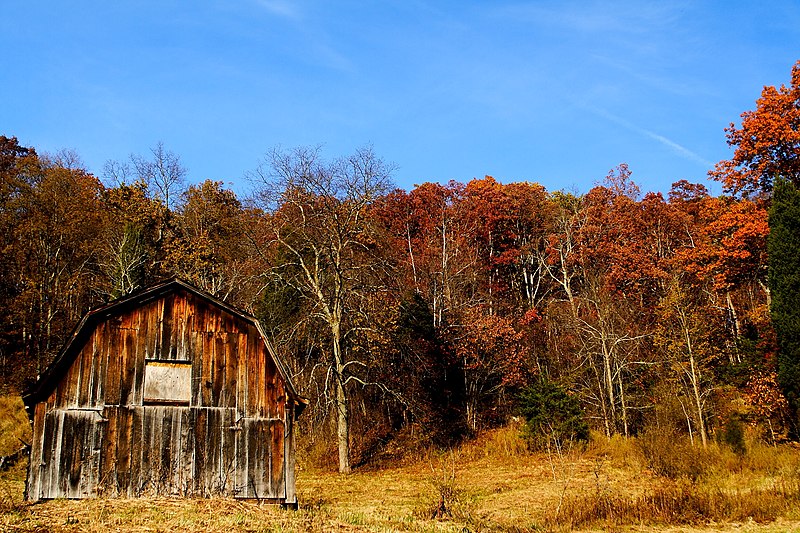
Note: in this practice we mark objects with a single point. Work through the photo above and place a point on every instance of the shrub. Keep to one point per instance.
(672, 457)
(680, 502)
(732, 434)
(446, 500)
(552, 415)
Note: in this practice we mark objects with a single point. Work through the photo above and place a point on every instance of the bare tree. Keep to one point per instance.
(116, 173)
(685, 334)
(164, 173)
(125, 260)
(324, 243)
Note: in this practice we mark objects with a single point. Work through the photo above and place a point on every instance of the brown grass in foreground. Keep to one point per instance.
(490, 484)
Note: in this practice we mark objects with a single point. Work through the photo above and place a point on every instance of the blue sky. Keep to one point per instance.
(555, 92)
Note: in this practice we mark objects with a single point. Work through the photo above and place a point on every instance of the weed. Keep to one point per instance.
(621, 451)
(446, 499)
(355, 518)
(680, 503)
(506, 441)
(672, 457)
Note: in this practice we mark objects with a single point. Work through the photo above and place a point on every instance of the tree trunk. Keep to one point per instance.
(342, 427)
(701, 425)
(737, 327)
(694, 377)
(608, 379)
(342, 411)
(623, 407)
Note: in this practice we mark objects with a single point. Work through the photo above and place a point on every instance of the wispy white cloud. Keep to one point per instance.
(328, 56)
(281, 8)
(313, 40)
(653, 77)
(597, 16)
(669, 143)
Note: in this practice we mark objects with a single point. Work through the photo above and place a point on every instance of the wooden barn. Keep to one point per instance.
(166, 392)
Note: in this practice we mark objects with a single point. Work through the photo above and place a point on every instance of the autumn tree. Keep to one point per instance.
(598, 259)
(683, 331)
(492, 358)
(767, 145)
(324, 248)
(510, 223)
(209, 245)
(54, 219)
(14, 158)
(766, 152)
(163, 173)
(132, 245)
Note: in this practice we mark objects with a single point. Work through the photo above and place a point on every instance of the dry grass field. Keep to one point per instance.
(490, 484)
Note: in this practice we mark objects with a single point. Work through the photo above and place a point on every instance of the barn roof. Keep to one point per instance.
(50, 378)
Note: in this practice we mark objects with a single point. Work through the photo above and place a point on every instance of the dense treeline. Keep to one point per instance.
(428, 312)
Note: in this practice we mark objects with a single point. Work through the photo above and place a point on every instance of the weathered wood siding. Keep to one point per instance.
(97, 435)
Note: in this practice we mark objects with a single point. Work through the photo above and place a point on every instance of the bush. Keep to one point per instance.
(670, 456)
(552, 415)
(445, 500)
(678, 503)
(732, 434)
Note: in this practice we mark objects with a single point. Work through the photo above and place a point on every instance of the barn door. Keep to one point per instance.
(260, 459)
(71, 454)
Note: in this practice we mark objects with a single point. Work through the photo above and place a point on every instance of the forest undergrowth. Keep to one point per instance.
(492, 482)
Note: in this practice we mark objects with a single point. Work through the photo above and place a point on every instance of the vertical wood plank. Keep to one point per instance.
(242, 378)
(208, 366)
(213, 468)
(228, 450)
(113, 368)
(277, 444)
(288, 450)
(100, 356)
(200, 466)
(36, 464)
(186, 452)
(75, 375)
(177, 452)
(197, 358)
(253, 369)
(122, 453)
(52, 453)
(218, 381)
(138, 358)
(138, 482)
(107, 479)
(127, 367)
(264, 407)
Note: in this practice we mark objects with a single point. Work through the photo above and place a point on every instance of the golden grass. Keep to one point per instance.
(14, 425)
(490, 484)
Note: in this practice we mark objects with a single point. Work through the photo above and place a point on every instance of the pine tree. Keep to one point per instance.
(784, 284)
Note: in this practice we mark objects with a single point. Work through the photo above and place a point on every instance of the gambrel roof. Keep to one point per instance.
(50, 378)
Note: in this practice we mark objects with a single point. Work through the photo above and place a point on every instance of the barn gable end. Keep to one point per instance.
(167, 392)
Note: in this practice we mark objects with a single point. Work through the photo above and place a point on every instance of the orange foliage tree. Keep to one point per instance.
(767, 145)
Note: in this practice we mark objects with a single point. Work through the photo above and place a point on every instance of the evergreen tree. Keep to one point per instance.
(552, 415)
(784, 284)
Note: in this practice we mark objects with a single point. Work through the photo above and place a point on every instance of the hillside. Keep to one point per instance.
(492, 483)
